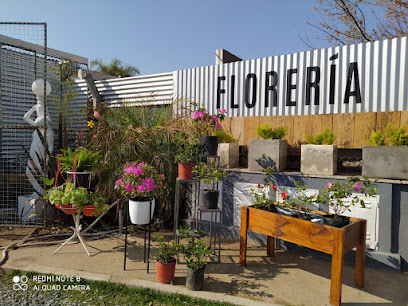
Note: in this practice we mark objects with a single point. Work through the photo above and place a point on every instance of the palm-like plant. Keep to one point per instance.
(115, 67)
(133, 132)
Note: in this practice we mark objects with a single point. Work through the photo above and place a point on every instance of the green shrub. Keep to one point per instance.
(325, 138)
(225, 137)
(376, 139)
(397, 137)
(266, 132)
(279, 132)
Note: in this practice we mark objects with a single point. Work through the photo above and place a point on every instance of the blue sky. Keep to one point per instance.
(166, 35)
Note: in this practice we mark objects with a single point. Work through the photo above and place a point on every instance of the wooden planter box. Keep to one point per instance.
(320, 237)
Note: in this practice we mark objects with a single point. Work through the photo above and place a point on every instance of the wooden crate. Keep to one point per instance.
(320, 237)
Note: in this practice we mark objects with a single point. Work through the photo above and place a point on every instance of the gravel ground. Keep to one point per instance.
(32, 297)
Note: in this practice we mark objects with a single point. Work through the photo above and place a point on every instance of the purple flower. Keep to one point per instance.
(139, 171)
(329, 185)
(198, 115)
(219, 126)
(161, 176)
(141, 188)
(224, 110)
(149, 183)
(118, 183)
(129, 187)
(357, 186)
(130, 169)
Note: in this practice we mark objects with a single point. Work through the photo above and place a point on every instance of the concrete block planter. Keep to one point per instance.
(318, 159)
(264, 153)
(385, 162)
(229, 155)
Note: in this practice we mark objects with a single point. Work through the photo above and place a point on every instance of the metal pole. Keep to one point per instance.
(126, 232)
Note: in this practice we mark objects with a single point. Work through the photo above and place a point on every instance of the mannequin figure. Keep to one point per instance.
(40, 121)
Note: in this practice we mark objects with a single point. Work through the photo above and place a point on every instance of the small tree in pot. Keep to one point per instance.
(211, 175)
(195, 254)
(187, 153)
(165, 260)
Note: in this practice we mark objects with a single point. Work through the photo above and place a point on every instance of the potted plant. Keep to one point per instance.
(270, 150)
(165, 260)
(187, 154)
(139, 183)
(387, 156)
(195, 254)
(71, 199)
(205, 125)
(228, 149)
(78, 164)
(319, 156)
(211, 175)
(339, 197)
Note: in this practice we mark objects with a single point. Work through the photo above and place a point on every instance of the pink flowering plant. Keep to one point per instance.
(341, 196)
(206, 123)
(139, 181)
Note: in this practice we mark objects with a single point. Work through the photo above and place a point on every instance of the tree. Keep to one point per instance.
(353, 21)
(115, 67)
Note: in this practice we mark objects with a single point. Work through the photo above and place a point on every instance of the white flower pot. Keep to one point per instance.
(139, 211)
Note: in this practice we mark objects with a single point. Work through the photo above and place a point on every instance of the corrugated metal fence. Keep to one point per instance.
(249, 88)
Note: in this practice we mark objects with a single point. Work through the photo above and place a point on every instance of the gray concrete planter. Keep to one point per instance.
(318, 159)
(229, 155)
(385, 162)
(263, 153)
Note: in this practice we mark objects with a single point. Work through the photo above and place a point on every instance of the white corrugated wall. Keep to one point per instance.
(382, 69)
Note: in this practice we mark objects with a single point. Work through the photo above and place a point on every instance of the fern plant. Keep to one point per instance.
(85, 159)
(325, 138)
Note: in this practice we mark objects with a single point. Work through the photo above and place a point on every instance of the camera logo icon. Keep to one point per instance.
(20, 283)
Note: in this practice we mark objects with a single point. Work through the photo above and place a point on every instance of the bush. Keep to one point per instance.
(376, 139)
(225, 137)
(325, 138)
(266, 132)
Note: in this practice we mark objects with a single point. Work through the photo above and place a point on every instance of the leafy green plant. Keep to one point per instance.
(341, 196)
(225, 137)
(377, 139)
(302, 199)
(195, 251)
(266, 132)
(210, 174)
(325, 138)
(85, 159)
(397, 137)
(187, 148)
(166, 251)
(68, 194)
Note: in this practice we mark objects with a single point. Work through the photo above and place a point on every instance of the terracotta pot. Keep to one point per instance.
(185, 171)
(68, 209)
(58, 206)
(165, 272)
(89, 210)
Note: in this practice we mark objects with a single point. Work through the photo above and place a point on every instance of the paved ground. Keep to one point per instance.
(287, 278)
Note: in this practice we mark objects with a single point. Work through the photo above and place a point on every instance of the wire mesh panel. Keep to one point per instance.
(23, 59)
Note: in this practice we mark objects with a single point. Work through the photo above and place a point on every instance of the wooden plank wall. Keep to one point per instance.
(352, 130)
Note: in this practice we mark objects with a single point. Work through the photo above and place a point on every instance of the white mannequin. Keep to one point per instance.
(37, 147)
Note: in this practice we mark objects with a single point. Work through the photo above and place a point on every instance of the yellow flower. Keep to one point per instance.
(91, 123)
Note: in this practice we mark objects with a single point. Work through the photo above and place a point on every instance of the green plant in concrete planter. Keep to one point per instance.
(325, 138)
(266, 132)
(394, 137)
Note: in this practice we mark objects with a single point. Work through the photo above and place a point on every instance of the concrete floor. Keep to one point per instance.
(285, 279)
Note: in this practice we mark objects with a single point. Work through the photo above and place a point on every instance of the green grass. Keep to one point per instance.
(106, 293)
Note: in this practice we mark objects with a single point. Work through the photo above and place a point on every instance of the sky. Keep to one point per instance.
(166, 35)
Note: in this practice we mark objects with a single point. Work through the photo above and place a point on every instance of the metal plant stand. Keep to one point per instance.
(77, 233)
(147, 238)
